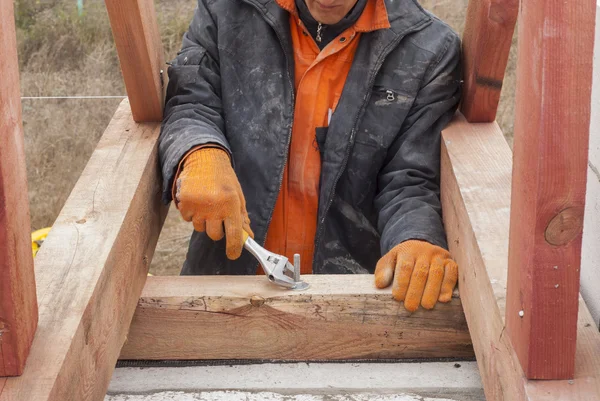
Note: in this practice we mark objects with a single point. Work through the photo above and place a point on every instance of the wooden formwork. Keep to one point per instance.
(91, 271)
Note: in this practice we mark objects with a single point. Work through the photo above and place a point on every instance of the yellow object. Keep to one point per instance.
(37, 238)
(209, 195)
(422, 273)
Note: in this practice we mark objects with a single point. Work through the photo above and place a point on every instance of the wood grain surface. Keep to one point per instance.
(487, 38)
(339, 317)
(18, 306)
(135, 30)
(476, 177)
(92, 267)
(586, 383)
(476, 174)
(552, 122)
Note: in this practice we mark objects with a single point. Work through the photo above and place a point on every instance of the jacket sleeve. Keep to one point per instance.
(408, 198)
(193, 114)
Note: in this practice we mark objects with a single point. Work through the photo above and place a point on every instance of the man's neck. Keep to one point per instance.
(323, 34)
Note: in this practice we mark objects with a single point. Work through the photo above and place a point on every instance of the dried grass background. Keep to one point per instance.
(62, 53)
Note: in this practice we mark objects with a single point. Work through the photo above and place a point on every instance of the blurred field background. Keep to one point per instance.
(66, 50)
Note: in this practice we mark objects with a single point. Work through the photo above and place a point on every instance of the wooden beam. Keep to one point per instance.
(487, 37)
(135, 30)
(586, 383)
(92, 267)
(552, 121)
(339, 318)
(18, 305)
(476, 177)
(475, 192)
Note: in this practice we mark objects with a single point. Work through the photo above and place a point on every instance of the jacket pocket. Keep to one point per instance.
(384, 116)
(382, 96)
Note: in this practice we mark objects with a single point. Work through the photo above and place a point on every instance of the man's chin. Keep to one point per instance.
(328, 21)
(325, 18)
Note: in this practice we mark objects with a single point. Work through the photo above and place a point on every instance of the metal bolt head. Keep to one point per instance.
(521, 313)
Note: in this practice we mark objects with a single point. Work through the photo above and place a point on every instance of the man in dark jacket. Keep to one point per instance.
(319, 122)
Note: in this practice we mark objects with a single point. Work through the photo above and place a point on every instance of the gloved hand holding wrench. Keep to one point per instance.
(209, 195)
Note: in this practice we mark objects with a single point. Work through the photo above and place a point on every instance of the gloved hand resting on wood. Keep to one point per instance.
(210, 196)
(422, 274)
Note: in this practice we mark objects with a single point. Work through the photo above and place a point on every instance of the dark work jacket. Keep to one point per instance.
(232, 84)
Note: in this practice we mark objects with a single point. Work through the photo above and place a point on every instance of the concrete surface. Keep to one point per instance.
(433, 381)
(265, 396)
(590, 258)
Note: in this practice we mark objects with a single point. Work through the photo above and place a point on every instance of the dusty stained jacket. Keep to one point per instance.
(232, 85)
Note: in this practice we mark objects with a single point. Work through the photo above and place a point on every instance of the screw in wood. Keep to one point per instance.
(521, 313)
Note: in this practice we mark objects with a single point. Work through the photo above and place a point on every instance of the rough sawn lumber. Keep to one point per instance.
(489, 29)
(339, 317)
(552, 131)
(92, 267)
(18, 305)
(476, 186)
(135, 30)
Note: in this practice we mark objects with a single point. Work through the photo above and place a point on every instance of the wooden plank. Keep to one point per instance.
(18, 305)
(476, 176)
(586, 383)
(487, 38)
(552, 121)
(338, 318)
(475, 192)
(92, 267)
(135, 30)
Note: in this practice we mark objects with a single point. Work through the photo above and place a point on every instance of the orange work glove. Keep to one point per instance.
(422, 273)
(210, 196)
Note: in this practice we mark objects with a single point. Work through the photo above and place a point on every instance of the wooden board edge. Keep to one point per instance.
(18, 303)
(469, 232)
(140, 50)
(76, 348)
(474, 174)
(318, 324)
(551, 140)
(487, 39)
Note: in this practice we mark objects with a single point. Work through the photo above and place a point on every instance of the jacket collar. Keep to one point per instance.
(402, 15)
(373, 17)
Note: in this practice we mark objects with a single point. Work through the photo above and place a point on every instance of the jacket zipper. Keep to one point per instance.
(353, 133)
(289, 136)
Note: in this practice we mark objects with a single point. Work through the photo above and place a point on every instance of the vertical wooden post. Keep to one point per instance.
(18, 304)
(554, 77)
(135, 30)
(489, 29)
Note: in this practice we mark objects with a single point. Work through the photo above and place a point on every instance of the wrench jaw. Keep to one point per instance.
(276, 267)
(287, 278)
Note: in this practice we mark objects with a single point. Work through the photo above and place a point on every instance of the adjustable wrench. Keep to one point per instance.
(276, 267)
